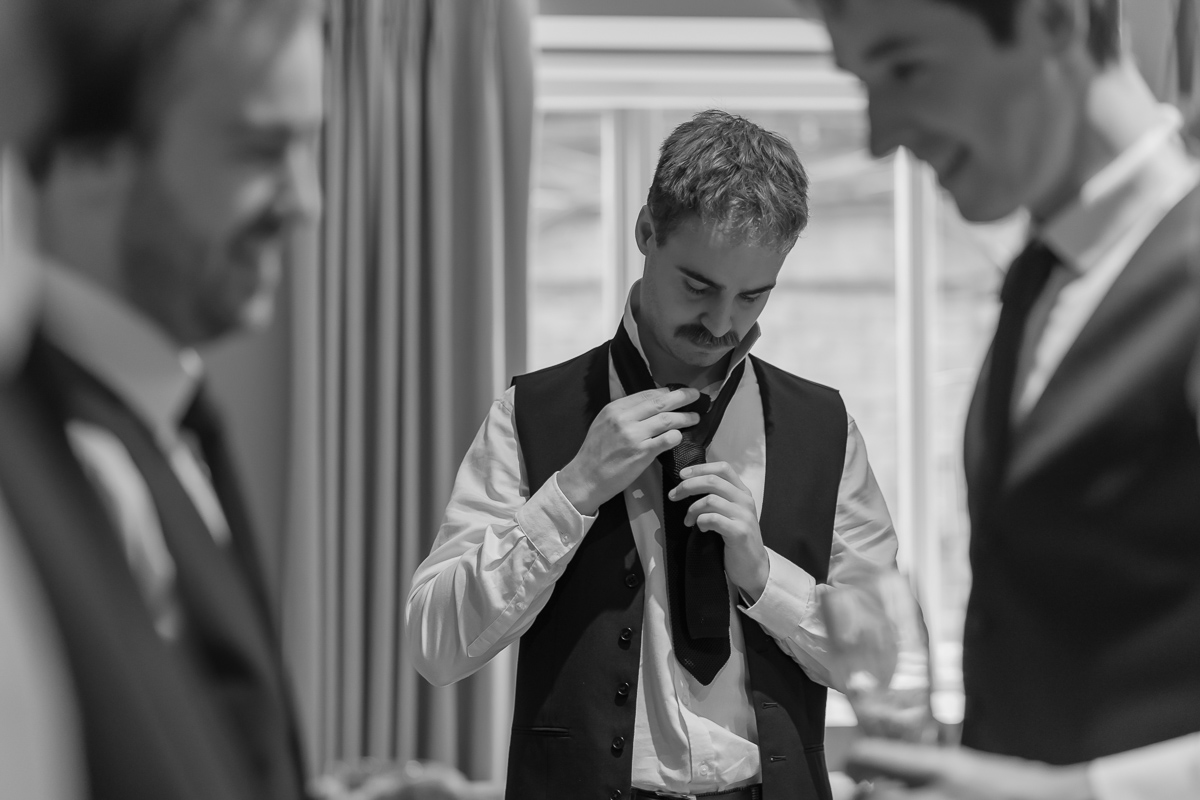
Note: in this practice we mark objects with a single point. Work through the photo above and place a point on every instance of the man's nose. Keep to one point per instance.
(718, 317)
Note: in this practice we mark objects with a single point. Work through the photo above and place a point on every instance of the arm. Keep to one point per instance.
(788, 606)
(1162, 771)
(497, 554)
(500, 550)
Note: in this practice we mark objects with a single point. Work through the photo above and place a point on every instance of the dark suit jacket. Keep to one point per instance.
(1083, 627)
(149, 731)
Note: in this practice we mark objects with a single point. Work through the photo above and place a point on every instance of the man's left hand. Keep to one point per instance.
(727, 508)
(902, 771)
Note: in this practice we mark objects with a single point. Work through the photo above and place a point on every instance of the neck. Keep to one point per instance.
(1117, 109)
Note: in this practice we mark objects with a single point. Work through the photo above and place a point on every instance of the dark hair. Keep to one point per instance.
(116, 61)
(1104, 28)
(1000, 16)
(728, 171)
(106, 50)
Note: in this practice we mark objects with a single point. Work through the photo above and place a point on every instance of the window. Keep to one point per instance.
(888, 296)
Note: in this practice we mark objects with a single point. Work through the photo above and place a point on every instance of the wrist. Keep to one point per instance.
(760, 573)
(576, 489)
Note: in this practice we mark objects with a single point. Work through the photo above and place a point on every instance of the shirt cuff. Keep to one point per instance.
(785, 599)
(1162, 771)
(551, 523)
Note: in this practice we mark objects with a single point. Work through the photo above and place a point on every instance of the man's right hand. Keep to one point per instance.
(624, 438)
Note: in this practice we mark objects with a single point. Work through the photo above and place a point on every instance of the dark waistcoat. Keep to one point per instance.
(577, 672)
(149, 730)
(1083, 627)
(229, 644)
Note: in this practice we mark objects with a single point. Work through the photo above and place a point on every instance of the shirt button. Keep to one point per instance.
(623, 689)
(631, 580)
(618, 744)
(627, 635)
(703, 769)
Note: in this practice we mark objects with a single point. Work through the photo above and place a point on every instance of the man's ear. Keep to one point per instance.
(82, 200)
(643, 231)
(95, 178)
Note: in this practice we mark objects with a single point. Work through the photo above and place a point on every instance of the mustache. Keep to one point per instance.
(698, 334)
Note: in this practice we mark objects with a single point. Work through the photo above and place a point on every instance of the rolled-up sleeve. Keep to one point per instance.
(496, 558)
(862, 534)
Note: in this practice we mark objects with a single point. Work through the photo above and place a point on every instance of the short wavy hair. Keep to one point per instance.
(1000, 17)
(731, 173)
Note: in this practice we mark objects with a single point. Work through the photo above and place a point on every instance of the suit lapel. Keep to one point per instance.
(1123, 337)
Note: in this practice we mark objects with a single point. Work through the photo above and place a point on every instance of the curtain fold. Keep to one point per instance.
(407, 324)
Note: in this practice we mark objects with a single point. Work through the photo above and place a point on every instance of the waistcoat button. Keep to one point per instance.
(618, 744)
(615, 794)
(623, 689)
(631, 580)
(627, 635)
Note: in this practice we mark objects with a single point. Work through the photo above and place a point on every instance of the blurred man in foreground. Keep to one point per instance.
(68, 69)
(1082, 457)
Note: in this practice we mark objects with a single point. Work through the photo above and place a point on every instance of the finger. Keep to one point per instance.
(664, 442)
(667, 421)
(708, 484)
(644, 405)
(914, 765)
(719, 468)
(710, 504)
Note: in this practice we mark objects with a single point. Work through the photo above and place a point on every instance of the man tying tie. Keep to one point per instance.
(666, 616)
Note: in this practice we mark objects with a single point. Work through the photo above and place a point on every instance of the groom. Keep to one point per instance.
(654, 519)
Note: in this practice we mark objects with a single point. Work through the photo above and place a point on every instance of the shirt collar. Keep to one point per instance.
(739, 353)
(127, 351)
(1121, 193)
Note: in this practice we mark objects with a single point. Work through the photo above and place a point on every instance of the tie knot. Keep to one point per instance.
(700, 406)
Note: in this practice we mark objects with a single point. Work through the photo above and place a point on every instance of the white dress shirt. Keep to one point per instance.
(41, 755)
(1096, 236)
(158, 380)
(500, 550)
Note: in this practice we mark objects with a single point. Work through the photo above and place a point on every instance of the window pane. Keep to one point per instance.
(567, 268)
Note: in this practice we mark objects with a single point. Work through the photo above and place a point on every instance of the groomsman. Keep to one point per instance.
(1081, 452)
(68, 68)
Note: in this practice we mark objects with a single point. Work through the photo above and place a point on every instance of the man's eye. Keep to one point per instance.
(906, 71)
(692, 289)
(753, 298)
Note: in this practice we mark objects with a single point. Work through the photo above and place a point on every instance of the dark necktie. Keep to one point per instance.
(203, 421)
(697, 590)
(1025, 281)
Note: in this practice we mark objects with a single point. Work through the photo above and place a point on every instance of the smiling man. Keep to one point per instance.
(652, 520)
(1081, 452)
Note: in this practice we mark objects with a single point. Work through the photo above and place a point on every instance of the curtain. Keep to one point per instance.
(407, 323)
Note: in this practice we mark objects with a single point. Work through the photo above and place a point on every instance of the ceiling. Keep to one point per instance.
(677, 8)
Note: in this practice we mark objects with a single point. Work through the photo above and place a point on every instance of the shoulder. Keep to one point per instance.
(562, 370)
(772, 375)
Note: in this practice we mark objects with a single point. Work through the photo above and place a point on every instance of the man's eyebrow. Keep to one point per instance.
(888, 47)
(698, 278)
